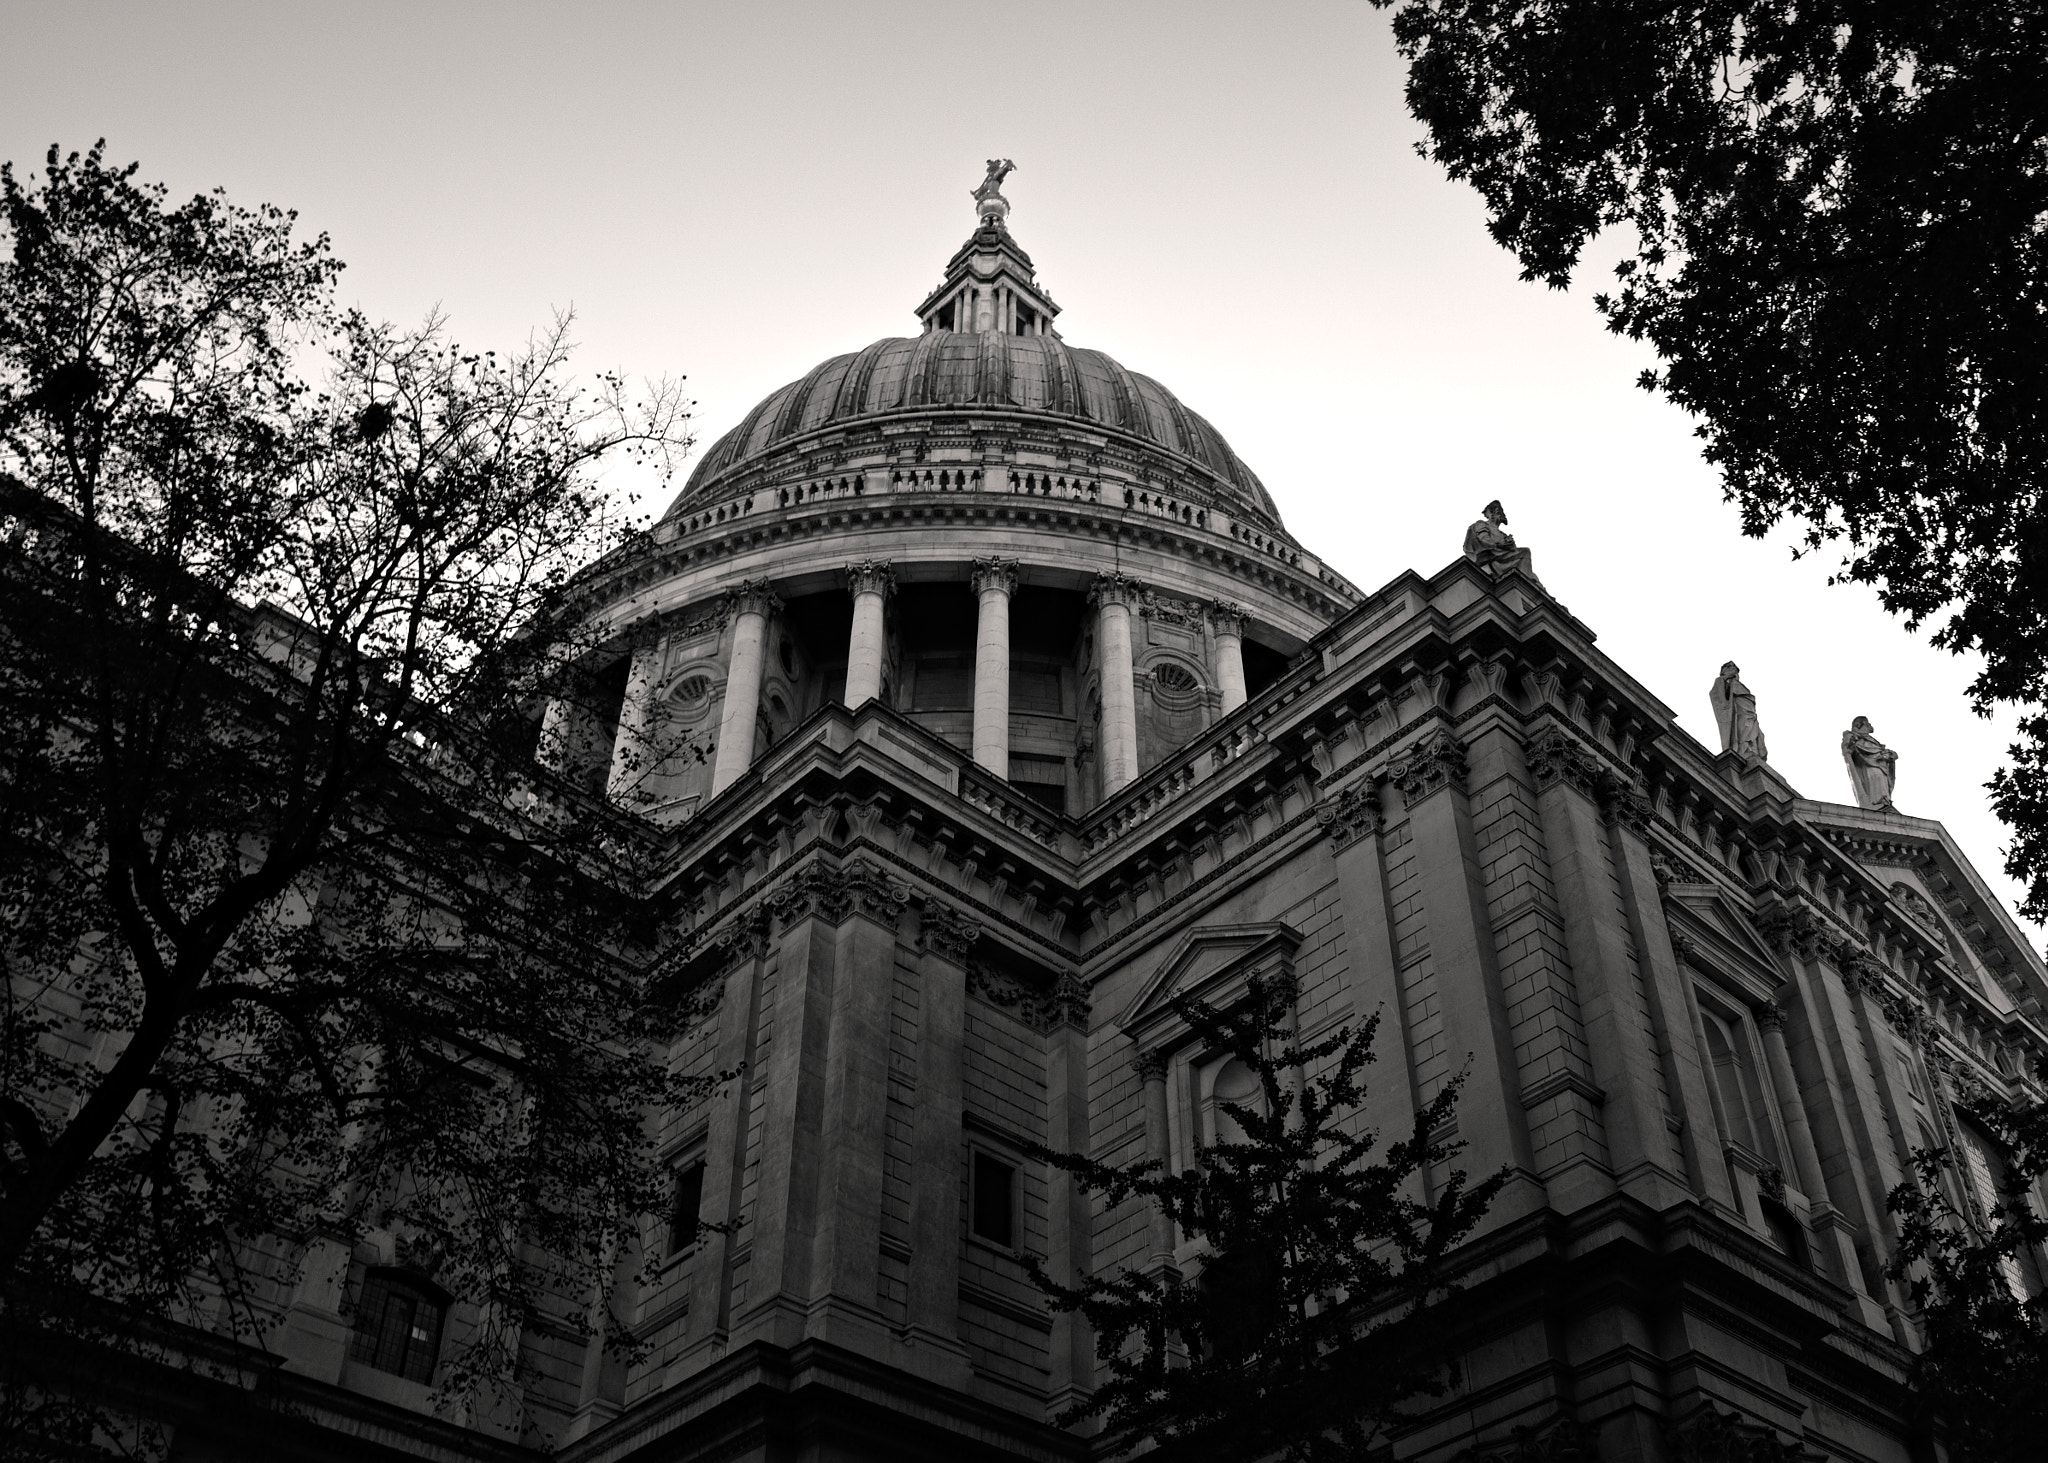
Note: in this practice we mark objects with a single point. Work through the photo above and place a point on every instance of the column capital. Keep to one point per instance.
(871, 576)
(1351, 814)
(1116, 589)
(1150, 1066)
(944, 932)
(1438, 760)
(752, 597)
(1226, 617)
(994, 574)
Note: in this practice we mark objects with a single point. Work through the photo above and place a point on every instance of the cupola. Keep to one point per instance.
(989, 285)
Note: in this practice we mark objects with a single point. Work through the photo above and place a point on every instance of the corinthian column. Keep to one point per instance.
(1112, 596)
(635, 753)
(1227, 620)
(751, 605)
(995, 580)
(872, 582)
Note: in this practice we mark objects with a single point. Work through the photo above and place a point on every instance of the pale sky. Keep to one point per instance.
(1224, 197)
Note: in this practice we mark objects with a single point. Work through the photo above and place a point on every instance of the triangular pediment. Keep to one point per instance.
(1213, 963)
(1725, 936)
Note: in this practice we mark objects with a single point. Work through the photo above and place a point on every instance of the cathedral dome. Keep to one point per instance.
(945, 375)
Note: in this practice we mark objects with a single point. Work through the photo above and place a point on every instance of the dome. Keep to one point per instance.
(944, 371)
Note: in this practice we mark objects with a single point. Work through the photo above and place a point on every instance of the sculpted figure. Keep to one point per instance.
(1489, 545)
(989, 196)
(1735, 714)
(1873, 767)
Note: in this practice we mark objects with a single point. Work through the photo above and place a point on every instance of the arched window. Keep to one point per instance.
(398, 1325)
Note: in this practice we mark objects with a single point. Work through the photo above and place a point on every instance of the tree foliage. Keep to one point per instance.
(1984, 1371)
(1834, 215)
(1303, 1334)
(297, 942)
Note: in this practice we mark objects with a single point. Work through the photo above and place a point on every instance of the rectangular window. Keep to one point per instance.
(398, 1327)
(994, 1201)
(1036, 689)
(945, 685)
(685, 1207)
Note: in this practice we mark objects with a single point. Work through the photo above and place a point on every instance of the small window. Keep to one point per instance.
(685, 1208)
(788, 657)
(994, 1201)
(398, 1325)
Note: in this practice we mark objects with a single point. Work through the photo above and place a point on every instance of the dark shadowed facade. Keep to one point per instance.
(1115, 736)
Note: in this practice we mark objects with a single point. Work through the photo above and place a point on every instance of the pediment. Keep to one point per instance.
(1725, 937)
(1212, 963)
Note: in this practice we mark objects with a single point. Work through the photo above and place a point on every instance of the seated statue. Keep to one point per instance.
(1489, 545)
(1873, 767)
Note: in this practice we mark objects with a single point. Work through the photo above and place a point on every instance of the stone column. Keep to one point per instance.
(1227, 620)
(1152, 1074)
(635, 754)
(995, 580)
(1113, 595)
(939, 1147)
(751, 605)
(872, 582)
(1770, 1023)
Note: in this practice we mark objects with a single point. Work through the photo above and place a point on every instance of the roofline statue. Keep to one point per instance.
(1873, 767)
(1489, 545)
(1735, 715)
(988, 197)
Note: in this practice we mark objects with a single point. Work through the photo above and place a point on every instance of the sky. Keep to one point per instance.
(1224, 197)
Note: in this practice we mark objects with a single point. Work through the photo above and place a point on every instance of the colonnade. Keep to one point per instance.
(872, 583)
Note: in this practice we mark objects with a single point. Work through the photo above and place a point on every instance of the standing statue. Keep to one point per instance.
(1735, 714)
(1489, 545)
(988, 198)
(1873, 767)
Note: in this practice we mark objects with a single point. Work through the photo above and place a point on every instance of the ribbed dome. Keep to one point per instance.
(943, 369)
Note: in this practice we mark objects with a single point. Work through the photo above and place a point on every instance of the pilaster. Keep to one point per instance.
(1430, 776)
(938, 1145)
(1620, 1048)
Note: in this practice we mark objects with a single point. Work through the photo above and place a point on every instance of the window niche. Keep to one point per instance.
(399, 1319)
(993, 1197)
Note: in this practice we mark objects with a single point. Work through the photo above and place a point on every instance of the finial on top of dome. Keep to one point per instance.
(989, 202)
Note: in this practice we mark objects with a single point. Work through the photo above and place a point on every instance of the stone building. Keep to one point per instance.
(1026, 714)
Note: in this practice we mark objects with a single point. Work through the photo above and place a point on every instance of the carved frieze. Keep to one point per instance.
(1042, 1008)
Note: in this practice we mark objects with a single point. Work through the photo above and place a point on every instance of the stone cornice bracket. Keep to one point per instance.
(947, 933)
(871, 576)
(990, 574)
(1351, 814)
(1437, 761)
(1226, 617)
(1554, 755)
(1116, 589)
(752, 596)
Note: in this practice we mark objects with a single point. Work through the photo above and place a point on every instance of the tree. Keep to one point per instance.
(1834, 221)
(1964, 1258)
(1304, 1332)
(298, 943)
